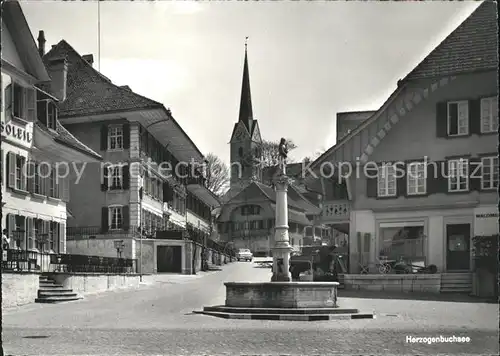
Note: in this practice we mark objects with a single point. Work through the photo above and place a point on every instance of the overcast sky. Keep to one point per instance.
(307, 60)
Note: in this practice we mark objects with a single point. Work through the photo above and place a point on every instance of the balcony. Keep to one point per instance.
(336, 211)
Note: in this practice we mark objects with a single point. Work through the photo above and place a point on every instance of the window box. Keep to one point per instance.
(38, 196)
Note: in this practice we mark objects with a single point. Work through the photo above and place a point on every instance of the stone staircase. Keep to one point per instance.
(456, 282)
(50, 292)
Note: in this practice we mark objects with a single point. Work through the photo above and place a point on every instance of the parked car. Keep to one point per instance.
(244, 254)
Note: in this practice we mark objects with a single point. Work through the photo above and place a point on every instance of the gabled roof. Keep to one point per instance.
(90, 92)
(471, 47)
(14, 19)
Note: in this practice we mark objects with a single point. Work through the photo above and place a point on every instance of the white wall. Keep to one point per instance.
(486, 220)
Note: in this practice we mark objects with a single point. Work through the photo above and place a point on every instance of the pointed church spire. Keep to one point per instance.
(246, 113)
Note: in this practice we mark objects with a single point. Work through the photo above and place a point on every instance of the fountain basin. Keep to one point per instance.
(281, 294)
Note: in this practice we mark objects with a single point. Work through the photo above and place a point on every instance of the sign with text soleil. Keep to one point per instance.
(17, 133)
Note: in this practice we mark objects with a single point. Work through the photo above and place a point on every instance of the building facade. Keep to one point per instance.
(37, 152)
(150, 179)
(427, 160)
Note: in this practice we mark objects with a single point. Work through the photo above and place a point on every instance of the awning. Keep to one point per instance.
(204, 194)
(69, 214)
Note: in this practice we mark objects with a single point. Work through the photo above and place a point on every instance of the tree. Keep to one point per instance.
(217, 174)
(269, 152)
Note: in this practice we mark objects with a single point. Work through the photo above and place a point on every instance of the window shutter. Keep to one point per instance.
(62, 238)
(475, 174)
(104, 137)
(48, 175)
(41, 107)
(401, 183)
(104, 219)
(43, 172)
(47, 233)
(442, 119)
(126, 176)
(11, 164)
(126, 218)
(31, 176)
(126, 136)
(11, 226)
(31, 104)
(439, 177)
(475, 116)
(371, 183)
(105, 181)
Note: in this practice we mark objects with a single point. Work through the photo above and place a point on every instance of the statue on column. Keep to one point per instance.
(283, 154)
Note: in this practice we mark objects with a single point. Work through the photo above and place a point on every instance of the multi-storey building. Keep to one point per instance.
(428, 161)
(149, 179)
(37, 152)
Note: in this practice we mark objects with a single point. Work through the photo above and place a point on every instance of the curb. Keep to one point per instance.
(289, 317)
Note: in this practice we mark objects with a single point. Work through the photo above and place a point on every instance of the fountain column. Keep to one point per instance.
(282, 248)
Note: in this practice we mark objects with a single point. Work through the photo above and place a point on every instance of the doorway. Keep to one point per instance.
(169, 259)
(458, 247)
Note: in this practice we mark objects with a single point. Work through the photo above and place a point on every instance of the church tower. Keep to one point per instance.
(246, 141)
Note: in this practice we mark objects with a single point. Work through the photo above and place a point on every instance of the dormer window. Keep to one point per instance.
(47, 113)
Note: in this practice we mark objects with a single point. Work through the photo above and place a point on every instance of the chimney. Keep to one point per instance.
(58, 70)
(41, 43)
(89, 58)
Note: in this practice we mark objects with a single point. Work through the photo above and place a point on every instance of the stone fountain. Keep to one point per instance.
(281, 298)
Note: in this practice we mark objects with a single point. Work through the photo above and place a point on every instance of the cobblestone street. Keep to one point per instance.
(157, 320)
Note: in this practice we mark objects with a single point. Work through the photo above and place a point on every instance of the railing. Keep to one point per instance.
(25, 261)
(336, 210)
